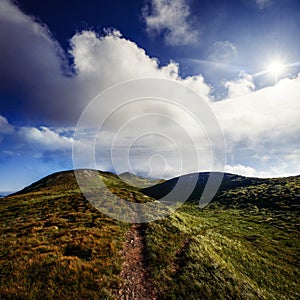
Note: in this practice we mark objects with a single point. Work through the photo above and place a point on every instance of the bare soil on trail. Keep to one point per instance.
(135, 273)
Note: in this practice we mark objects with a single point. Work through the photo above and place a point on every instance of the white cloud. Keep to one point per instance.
(100, 62)
(29, 51)
(104, 61)
(170, 17)
(46, 139)
(262, 129)
(257, 124)
(240, 169)
(269, 114)
(242, 86)
(5, 128)
(198, 84)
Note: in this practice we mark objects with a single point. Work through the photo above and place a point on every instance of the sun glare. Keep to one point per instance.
(276, 68)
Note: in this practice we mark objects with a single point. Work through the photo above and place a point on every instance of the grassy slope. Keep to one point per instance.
(245, 245)
(57, 246)
(54, 244)
(138, 181)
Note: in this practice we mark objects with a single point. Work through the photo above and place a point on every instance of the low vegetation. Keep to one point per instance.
(55, 245)
(224, 254)
(244, 245)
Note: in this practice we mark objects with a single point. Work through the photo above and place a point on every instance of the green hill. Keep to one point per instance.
(138, 181)
(244, 245)
(240, 192)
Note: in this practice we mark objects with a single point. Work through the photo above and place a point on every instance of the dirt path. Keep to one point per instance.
(135, 273)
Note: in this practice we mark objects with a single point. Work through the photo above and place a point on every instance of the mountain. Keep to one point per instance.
(4, 194)
(244, 245)
(238, 191)
(54, 244)
(230, 181)
(65, 180)
(138, 181)
(59, 181)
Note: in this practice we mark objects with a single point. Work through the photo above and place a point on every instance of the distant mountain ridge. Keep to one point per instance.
(235, 190)
(66, 180)
(240, 191)
(229, 181)
(138, 181)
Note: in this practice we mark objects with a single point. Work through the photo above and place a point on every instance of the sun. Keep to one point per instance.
(275, 68)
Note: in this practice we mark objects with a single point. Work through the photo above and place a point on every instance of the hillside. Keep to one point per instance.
(138, 181)
(244, 245)
(66, 180)
(239, 191)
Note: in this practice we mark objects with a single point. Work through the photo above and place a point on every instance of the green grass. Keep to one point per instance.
(245, 245)
(224, 254)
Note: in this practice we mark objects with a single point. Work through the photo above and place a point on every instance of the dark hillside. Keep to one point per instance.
(240, 191)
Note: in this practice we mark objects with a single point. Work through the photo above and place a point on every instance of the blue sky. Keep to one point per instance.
(57, 56)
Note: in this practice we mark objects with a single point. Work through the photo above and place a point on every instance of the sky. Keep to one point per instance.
(240, 57)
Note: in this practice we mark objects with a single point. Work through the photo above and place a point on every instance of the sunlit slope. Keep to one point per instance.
(66, 180)
(244, 245)
(55, 245)
(225, 254)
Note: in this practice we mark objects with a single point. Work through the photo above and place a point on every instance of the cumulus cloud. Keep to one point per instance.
(270, 113)
(242, 86)
(32, 64)
(170, 18)
(102, 61)
(33, 67)
(240, 169)
(262, 128)
(46, 139)
(134, 133)
(256, 124)
(5, 127)
(198, 84)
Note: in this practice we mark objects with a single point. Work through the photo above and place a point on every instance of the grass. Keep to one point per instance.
(245, 245)
(56, 245)
(225, 254)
